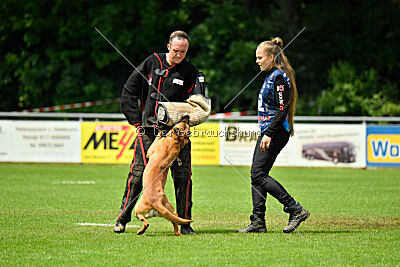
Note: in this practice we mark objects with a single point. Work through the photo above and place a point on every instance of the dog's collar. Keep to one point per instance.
(176, 138)
(173, 135)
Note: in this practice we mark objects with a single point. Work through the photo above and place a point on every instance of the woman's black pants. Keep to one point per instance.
(261, 182)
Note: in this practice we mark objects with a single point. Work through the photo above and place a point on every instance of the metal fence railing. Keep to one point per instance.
(120, 116)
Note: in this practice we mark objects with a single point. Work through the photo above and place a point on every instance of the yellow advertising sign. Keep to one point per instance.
(205, 144)
(383, 148)
(112, 142)
(107, 142)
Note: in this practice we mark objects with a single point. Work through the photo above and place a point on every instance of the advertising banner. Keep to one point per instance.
(205, 144)
(237, 143)
(107, 142)
(319, 145)
(6, 141)
(325, 145)
(383, 146)
(46, 141)
(322, 145)
(112, 142)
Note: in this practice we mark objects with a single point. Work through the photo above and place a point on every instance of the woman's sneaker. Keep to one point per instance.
(257, 225)
(297, 215)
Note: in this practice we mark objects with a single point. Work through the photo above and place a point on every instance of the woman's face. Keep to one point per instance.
(263, 60)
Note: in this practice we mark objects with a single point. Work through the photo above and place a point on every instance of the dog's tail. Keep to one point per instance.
(170, 216)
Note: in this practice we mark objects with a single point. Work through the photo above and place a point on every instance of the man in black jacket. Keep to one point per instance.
(167, 77)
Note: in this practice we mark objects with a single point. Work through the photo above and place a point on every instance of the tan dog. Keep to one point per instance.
(161, 154)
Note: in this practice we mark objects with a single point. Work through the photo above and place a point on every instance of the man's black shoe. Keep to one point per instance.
(119, 228)
(257, 225)
(297, 215)
(187, 230)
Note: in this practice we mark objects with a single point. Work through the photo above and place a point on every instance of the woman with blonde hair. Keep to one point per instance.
(276, 108)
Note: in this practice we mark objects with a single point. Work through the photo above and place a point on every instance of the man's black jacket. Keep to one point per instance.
(156, 80)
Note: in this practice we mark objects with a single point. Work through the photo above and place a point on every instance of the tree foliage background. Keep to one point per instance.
(346, 60)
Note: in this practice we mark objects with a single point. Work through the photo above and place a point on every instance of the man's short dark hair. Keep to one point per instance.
(179, 35)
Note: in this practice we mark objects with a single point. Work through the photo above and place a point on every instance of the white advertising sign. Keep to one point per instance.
(46, 141)
(5, 141)
(325, 145)
(237, 143)
(319, 145)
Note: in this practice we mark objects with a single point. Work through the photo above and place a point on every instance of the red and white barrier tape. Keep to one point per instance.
(72, 106)
(115, 100)
(231, 114)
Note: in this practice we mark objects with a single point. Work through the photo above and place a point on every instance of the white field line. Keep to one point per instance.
(78, 182)
(103, 224)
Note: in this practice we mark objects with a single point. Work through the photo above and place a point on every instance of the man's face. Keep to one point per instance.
(177, 50)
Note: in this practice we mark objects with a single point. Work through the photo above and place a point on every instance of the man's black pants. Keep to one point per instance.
(181, 174)
(261, 182)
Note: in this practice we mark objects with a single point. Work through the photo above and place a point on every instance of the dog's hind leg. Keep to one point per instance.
(145, 224)
(176, 229)
(169, 206)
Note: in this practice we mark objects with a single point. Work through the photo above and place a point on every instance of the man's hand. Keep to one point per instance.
(265, 142)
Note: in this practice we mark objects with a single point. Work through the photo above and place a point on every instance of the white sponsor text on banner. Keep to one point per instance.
(46, 141)
(6, 151)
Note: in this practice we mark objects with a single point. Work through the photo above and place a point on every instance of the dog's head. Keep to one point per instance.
(181, 131)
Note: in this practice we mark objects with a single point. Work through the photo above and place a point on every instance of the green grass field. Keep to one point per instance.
(355, 219)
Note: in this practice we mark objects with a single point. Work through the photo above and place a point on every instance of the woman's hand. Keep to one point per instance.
(265, 142)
